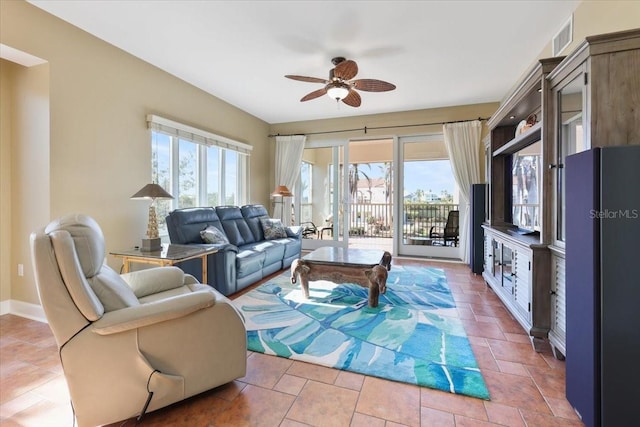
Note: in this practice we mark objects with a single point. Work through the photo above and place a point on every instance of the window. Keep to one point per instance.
(198, 168)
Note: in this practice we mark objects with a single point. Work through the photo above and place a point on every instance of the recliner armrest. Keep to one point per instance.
(154, 280)
(143, 315)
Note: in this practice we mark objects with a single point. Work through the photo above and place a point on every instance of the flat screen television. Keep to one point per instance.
(526, 165)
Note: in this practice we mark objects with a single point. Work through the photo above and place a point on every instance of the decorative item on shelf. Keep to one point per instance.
(152, 191)
(525, 125)
(281, 192)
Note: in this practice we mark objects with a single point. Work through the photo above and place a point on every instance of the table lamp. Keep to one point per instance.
(152, 191)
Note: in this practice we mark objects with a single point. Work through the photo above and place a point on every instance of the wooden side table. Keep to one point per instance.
(170, 254)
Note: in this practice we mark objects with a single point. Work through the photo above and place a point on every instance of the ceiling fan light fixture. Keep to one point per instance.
(338, 92)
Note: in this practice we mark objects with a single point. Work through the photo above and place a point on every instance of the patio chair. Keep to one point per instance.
(309, 229)
(451, 229)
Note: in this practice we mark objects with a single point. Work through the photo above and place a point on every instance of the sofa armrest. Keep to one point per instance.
(143, 315)
(294, 231)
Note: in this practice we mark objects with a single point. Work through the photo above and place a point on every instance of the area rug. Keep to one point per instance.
(413, 336)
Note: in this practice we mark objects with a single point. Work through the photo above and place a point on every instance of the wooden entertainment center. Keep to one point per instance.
(589, 99)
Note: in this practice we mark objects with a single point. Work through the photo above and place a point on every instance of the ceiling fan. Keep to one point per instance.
(340, 85)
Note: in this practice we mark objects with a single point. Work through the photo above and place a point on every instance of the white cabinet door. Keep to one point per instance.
(558, 298)
(522, 282)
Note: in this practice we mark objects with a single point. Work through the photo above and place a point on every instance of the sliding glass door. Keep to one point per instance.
(427, 202)
(319, 202)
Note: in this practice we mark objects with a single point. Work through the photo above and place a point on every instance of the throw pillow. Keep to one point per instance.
(273, 228)
(211, 234)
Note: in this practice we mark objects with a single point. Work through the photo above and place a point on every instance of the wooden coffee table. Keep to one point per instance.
(365, 267)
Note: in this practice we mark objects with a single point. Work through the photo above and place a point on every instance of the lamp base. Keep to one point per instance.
(150, 245)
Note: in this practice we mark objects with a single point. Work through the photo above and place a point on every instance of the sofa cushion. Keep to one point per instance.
(249, 261)
(273, 251)
(213, 235)
(273, 228)
(185, 225)
(252, 214)
(234, 225)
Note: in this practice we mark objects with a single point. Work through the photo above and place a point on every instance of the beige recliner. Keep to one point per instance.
(134, 342)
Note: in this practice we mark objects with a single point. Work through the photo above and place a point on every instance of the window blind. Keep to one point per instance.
(198, 136)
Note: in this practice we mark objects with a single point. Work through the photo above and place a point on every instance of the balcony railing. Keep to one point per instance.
(376, 219)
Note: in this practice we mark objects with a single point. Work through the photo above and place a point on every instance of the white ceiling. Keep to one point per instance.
(437, 53)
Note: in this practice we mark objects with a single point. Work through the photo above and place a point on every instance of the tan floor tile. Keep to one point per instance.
(350, 380)
(490, 310)
(291, 423)
(550, 382)
(45, 414)
(362, 420)
(255, 406)
(536, 419)
(313, 372)
(504, 415)
(516, 352)
(430, 417)
(390, 400)
(264, 370)
(514, 390)
(290, 384)
(18, 378)
(478, 341)
(18, 404)
(561, 408)
(462, 421)
(485, 358)
(483, 330)
(512, 368)
(520, 338)
(324, 405)
(229, 391)
(452, 403)
(509, 325)
(465, 313)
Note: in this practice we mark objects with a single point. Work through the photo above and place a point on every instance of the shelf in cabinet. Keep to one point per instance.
(521, 141)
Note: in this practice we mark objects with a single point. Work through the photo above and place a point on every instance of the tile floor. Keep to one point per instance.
(527, 388)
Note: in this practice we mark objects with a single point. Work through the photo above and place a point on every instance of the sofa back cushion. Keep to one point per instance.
(235, 226)
(185, 225)
(252, 214)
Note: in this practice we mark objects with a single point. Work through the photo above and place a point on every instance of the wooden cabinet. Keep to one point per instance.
(519, 256)
(588, 99)
(516, 273)
(595, 102)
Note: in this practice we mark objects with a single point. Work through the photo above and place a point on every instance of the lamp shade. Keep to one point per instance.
(152, 191)
(281, 191)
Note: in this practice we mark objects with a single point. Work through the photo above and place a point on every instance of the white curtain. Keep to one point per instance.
(464, 147)
(288, 161)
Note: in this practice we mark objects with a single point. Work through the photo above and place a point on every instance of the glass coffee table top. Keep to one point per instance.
(346, 257)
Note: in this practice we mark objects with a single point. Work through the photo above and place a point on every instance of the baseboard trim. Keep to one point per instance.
(23, 309)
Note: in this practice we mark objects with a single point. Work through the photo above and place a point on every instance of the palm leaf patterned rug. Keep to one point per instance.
(413, 336)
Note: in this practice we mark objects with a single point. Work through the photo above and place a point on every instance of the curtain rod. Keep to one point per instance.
(366, 128)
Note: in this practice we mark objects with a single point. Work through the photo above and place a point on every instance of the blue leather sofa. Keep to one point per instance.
(247, 258)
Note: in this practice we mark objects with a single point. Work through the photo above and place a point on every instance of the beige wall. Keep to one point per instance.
(598, 17)
(98, 143)
(5, 180)
(28, 180)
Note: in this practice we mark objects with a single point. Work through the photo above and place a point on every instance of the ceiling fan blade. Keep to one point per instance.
(307, 79)
(315, 94)
(346, 70)
(373, 85)
(353, 99)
